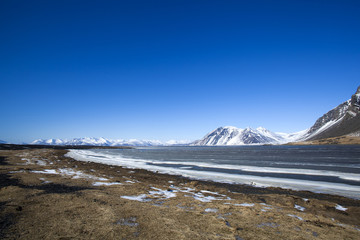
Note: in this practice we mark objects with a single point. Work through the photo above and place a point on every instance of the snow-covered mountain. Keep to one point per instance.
(342, 120)
(237, 136)
(108, 142)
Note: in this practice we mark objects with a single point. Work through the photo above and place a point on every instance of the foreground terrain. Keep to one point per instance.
(44, 195)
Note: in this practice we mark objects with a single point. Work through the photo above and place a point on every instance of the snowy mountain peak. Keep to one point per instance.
(238, 136)
(108, 142)
(261, 129)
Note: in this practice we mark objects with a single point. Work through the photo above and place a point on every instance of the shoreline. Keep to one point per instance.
(242, 188)
(257, 181)
(199, 209)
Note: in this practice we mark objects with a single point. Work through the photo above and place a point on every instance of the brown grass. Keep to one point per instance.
(52, 206)
(342, 140)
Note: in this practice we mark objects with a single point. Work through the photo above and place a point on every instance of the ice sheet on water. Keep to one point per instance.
(261, 181)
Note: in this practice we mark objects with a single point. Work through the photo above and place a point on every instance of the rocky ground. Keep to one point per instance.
(44, 195)
(342, 140)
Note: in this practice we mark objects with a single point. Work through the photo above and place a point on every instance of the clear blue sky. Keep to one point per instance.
(172, 69)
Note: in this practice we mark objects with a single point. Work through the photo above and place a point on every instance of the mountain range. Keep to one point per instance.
(342, 120)
(108, 142)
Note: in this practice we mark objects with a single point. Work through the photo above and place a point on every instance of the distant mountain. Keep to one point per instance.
(342, 120)
(2, 142)
(107, 142)
(248, 136)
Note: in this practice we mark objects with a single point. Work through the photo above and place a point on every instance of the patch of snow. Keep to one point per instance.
(264, 204)
(352, 113)
(200, 197)
(40, 162)
(20, 171)
(27, 161)
(129, 181)
(140, 198)
(47, 171)
(245, 204)
(157, 194)
(106, 183)
(340, 208)
(295, 216)
(162, 194)
(131, 222)
(211, 210)
(300, 208)
(72, 173)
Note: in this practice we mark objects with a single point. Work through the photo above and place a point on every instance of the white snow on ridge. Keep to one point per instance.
(109, 142)
(323, 128)
(229, 135)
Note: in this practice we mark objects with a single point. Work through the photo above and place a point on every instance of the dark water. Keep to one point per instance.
(316, 168)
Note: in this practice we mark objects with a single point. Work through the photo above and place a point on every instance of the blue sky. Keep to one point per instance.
(172, 69)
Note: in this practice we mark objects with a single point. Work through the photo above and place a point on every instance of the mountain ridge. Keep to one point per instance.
(341, 120)
(91, 141)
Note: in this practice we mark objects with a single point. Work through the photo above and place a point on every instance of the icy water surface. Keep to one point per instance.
(327, 169)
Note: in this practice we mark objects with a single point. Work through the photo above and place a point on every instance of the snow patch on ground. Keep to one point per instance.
(47, 171)
(300, 208)
(106, 183)
(71, 173)
(140, 198)
(295, 216)
(340, 208)
(211, 210)
(245, 204)
(162, 194)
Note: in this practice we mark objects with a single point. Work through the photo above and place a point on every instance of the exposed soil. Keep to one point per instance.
(44, 195)
(342, 140)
